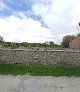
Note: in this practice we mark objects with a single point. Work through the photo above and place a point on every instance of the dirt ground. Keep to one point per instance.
(28, 83)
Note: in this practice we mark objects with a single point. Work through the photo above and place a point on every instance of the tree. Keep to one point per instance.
(51, 43)
(13, 45)
(1, 39)
(66, 40)
(24, 44)
(78, 34)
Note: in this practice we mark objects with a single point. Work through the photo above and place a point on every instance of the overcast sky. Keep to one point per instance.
(39, 20)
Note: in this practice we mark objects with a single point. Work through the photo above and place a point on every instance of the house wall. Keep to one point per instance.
(76, 43)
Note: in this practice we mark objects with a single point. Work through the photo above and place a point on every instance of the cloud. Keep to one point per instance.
(3, 6)
(23, 30)
(62, 17)
(39, 20)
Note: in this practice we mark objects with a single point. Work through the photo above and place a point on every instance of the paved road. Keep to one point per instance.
(28, 83)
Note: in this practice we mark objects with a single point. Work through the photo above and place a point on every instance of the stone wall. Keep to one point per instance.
(55, 57)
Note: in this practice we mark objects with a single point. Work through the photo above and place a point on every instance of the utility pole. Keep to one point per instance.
(79, 23)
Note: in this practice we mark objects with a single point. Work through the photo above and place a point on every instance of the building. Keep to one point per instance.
(75, 43)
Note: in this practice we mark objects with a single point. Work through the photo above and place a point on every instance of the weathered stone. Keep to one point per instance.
(55, 57)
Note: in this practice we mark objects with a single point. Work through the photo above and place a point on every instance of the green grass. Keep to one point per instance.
(39, 70)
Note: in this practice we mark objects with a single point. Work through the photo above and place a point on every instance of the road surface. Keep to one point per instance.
(28, 83)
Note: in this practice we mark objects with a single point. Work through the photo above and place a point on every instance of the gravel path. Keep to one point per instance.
(28, 83)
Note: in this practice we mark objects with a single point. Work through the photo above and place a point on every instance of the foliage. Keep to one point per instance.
(78, 34)
(1, 39)
(13, 46)
(24, 44)
(51, 43)
(6, 44)
(66, 40)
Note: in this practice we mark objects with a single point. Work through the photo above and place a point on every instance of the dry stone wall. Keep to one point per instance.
(55, 57)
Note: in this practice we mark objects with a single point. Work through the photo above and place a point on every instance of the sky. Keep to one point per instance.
(39, 20)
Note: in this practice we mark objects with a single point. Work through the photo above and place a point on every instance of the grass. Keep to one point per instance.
(39, 70)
